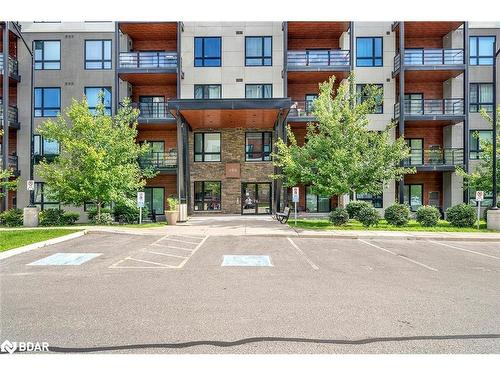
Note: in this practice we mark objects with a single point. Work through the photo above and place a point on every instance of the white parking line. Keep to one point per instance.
(466, 250)
(189, 242)
(171, 247)
(302, 254)
(194, 251)
(399, 255)
(167, 255)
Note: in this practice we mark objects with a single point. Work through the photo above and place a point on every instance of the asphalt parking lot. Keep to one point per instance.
(171, 294)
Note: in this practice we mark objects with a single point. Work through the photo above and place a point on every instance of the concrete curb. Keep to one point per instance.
(37, 245)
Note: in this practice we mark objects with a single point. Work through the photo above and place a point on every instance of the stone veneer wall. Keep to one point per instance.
(232, 151)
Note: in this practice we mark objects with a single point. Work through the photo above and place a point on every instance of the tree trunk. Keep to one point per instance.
(98, 212)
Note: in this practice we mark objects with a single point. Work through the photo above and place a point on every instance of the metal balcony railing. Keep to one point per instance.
(153, 111)
(159, 160)
(319, 58)
(13, 66)
(430, 57)
(13, 117)
(431, 107)
(148, 60)
(12, 163)
(435, 157)
(301, 108)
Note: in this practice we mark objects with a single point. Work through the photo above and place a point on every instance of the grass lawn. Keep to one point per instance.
(10, 239)
(412, 226)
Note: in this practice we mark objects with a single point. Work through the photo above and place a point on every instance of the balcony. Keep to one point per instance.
(435, 159)
(431, 109)
(13, 118)
(153, 113)
(12, 164)
(148, 62)
(431, 59)
(13, 68)
(160, 161)
(319, 60)
(301, 110)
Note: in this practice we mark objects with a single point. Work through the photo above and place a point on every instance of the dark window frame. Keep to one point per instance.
(262, 90)
(476, 141)
(38, 139)
(202, 201)
(203, 153)
(42, 108)
(409, 194)
(202, 58)
(101, 89)
(374, 57)
(478, 57)
(308, 103)
(379, 108)
(42, 203)
(479, 104)
(263, 152)
(376, 200)
(408, 143)
(103, 60)
(205, 91)
(262, 57)
(163, 195)
(306, 209)
(43, 61)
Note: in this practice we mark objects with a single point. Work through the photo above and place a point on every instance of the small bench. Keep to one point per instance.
(282, 217)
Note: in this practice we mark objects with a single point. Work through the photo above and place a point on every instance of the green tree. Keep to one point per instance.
(481, 177)
(341, 155)
(99, 155)
(6, 177)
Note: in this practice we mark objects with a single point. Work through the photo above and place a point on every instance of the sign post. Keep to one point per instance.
(295, 199)
(140, 204)
(30, 185)
(479, 199)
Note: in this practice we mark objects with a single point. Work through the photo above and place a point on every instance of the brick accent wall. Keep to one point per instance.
(169, 136)
(432, 181)
(232, 151)
(431, 90)
(431, 135)
(167, 91)
(167, 181)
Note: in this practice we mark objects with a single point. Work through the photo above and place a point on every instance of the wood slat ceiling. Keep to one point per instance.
(150, 31)
(430, 75)
(231, 118)
(304, 30)
(150, 79)
(429, 29)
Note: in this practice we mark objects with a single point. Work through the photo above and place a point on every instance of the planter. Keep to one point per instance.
(172, 217)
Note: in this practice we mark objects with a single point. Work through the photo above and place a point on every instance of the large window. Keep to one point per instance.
(207, 196)
(154, 200)
(362, 93)
(45, 197)
(369, 51)
(206, 146)
(92, 95)
(316, 203)
(258, 51)
(476, 137)
(487, 202)
(413, 195)
(207, 51)
(258, 91)
(416, 146)
(152, 106)
(376, 200)
(481, 96)
(207, 91)
(47, 54)
(45, 148)
(258, 146)
(98, 54)
(482, 50)
(47, 101)
(310, 98)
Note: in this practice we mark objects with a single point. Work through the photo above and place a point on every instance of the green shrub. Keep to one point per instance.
(339, 216)
(12, 217)
(51, 217)
(397, 214)
(461, 215)
(172, 203)
(428, 216)
(70, 218)
(368, 216)
(92, 213)
(126, 212)
(105, 219)
(354, 207)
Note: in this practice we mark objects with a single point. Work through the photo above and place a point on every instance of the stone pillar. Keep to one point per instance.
(493, 219)
(30, 216)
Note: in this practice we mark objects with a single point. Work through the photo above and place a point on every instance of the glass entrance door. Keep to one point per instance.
(255, 198)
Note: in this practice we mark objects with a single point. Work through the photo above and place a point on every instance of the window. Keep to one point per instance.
(47, 54)
(316, 203)
(154, 200)
(481, 96)
(413, 195)
(44, 197)
(92, 95)
(482, 50)
(206, 146)
(258, 51)
(375, 199)
(258, 146)
(98, 54)
(207, 51)
(369, 51)
(414, 103)
(89, 206)
(362, 93)
(416, 151)
(487, 202)
(258, 91)
(47, 101)
(45, 148)
(207, 91)
(476, 138)
(207, 196)
(152, 106)
(310, 98)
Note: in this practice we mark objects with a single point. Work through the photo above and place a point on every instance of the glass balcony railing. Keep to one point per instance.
(148, 60)
(435, 157)
(302, 108)
(159, 160)
(318, 59)
(430, 57)
(13, 66)
(13, 117)
(431, 107)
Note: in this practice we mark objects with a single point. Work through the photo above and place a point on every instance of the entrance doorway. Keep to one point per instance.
(255, 198)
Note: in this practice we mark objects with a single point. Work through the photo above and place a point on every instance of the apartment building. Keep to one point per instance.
(214, 98)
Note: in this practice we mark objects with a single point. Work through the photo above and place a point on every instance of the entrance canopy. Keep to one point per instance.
(230, 113)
